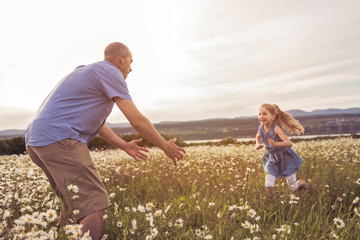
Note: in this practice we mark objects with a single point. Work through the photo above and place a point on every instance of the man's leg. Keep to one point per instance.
(36, 159)
(63, 218)
(93, 223)
(69, 162)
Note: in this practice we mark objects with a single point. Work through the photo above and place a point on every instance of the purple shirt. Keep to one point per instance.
(78, 106)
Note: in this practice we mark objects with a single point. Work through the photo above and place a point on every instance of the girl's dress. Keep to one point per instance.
(278, 161)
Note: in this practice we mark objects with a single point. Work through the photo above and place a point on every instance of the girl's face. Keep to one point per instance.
(265, 117)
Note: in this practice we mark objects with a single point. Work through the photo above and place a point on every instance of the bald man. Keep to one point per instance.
(74, 113)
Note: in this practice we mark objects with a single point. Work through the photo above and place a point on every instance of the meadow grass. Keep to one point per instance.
(215, 192)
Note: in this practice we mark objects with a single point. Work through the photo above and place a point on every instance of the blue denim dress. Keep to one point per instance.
(278, 161)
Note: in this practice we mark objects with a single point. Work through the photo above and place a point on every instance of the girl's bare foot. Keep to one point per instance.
(303, 185)
(271, 193)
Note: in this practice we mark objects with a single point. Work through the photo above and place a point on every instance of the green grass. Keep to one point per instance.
(209, 194)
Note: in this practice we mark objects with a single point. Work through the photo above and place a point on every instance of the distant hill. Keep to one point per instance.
(325, 121)
(330, 111)
(118, 125)
(11, 133)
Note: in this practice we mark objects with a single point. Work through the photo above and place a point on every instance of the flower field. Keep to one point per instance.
(215, 192)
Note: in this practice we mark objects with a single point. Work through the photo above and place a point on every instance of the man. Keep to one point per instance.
(75, 112)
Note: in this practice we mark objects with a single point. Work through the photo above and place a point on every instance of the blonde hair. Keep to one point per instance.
(284, 119)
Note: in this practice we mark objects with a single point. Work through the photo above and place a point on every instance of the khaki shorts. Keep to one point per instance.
(69, 162)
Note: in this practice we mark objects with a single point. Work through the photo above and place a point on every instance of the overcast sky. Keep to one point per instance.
(193, 59)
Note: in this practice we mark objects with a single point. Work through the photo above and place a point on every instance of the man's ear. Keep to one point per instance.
(121, 59)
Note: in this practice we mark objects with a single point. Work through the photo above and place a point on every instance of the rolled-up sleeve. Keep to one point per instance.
(114, 85)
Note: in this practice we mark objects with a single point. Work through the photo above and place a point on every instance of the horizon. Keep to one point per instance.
(192, 60)
(194, 120)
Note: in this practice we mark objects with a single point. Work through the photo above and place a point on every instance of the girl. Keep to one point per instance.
(280, 160)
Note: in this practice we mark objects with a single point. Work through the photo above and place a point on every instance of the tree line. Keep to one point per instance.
(17, 145)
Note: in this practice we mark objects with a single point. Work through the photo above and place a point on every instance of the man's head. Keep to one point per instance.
(120, 56)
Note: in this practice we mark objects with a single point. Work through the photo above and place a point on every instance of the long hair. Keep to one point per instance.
(284, 119)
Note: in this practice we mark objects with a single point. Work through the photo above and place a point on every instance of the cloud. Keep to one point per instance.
(14, 118)
(192, 59)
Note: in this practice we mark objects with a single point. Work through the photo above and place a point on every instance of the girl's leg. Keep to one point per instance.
(270, 184)
(270, 180)
(291, 180)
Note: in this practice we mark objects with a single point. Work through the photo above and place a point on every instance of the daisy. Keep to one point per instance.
(357, 212)
(86, 236)
(76, 211)
(198, 232)
(180, 223)
(358, 181)
(75, 197)
(294, 198)
(334, 235)
(168, 208)
(26, 209)
(134, 224)
(141, 208)
(246, 224)
(74, 188)
(29, 219)
(51, 215)
(339, 223)
(208, 237)
(154, 232)
(158, 213)
(68, 229)
(254, 228)
(231, 208)
(252, 213)
(356, 200)
(77, 227)
(149, 217)
(119, 224)
(284, 229)
(149, 206)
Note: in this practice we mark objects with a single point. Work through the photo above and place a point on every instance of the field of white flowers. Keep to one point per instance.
(215, 192)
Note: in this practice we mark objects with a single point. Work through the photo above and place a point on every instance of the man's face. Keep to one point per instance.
(125, 64)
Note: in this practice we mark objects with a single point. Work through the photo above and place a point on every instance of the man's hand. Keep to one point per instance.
(136, 151)
(259, 146)
(173, 151)
(146, 129)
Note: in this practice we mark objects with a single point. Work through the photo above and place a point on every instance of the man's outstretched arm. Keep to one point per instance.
(130, 148)
(146, 129)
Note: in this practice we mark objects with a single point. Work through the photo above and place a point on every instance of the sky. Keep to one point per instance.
(193, 59)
